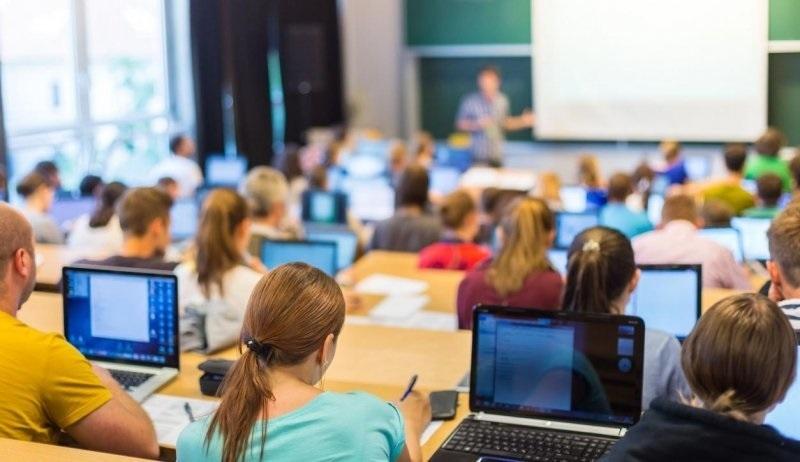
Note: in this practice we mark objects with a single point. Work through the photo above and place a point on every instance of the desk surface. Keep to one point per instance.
(52, 258)
(24, 450)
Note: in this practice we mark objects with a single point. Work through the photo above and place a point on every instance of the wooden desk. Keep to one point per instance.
(52, 258)
(44, 311)
(24, 450)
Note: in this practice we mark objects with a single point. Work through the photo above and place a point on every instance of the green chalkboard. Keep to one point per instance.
(444, 81)
(784, 20)
(462, 22)
(784, 94)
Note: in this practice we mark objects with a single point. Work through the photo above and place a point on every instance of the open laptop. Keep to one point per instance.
(559, 258)
(784, 416)
(573, 198)
(324, 207)
(66, 210)
(183, 220)
(444, 180)
(542, 382)
(668, 298)
(319, 254)
(346, 242)
(370, 200)
(570, 224)
(125, 321)
(730, 238)
(755, 246)
(225, 171)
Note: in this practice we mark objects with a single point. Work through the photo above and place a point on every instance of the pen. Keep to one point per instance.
(188, 410)
(410, 387)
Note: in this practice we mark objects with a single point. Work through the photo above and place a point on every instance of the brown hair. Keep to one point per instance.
(620, 186)
(548, 187)
(600, 267)
(139, 207)
(413, 187)
(717, 214)
(784, 243)
(111, 194)
(31, 183)
(455, 209)
(526, 234)
(794, 167)
(770, 189)
(680, 207)
(735, 156)
(290, 313)
(589, 171)
(741, 357)
(770, 142)
(223, 211)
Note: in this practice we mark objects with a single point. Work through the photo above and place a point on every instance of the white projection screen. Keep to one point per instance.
(642, 70)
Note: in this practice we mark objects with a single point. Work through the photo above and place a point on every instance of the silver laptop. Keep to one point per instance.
(668, 298)
(548, 386)
(125, 321)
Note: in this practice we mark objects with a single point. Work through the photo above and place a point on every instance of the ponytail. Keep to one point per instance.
(223, 212)
(107, 204)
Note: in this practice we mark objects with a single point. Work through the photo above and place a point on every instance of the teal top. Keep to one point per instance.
(759, 164)
(332, 426)
(626, 221)
(762, 212)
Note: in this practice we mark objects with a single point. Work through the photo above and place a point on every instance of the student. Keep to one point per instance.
(398, 161)
(494, 202)
(143, 215)
(767, 158)
(180, 166)
(100, 230)
(47, 385)
(39, 194)
(674, 169)
(591, 179)
(169, 186)
(457, 250)
(548, 188)
(91, 186)
(616, 213)
(221, 270)
(520, 274)
(678, 242)
(784, 264)
(267, 194)
(717, 214)
(729, 190)
(425, 153)
(49, 170)
(739, 360)
(411, 228)
(770, 192)
(272, 408)
(601, 277)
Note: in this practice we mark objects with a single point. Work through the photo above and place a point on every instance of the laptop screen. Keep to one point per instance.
(122, 316)
(225, 171)
(370, 200)
(569, 225)
(321, 255)
(573, 198)
(324, 207)
(655, 204)
(346, 243)
(755, 246)
(668, 298)
(444, 180)
(559, 258)
(183, 219)
(728, 238)
(557, 365)
(784, 416)
(64, 211)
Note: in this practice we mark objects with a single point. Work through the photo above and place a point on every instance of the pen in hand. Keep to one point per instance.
(410, 387)
(188, 410)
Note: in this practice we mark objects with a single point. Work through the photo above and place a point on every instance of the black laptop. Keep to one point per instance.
(548, 386)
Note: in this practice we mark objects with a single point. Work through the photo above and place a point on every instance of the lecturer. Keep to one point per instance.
(485, 115)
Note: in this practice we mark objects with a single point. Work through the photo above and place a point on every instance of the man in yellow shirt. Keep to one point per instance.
(46, 385)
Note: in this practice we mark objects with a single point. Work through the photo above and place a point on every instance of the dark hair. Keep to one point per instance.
(620, 186)
(735, 156)
(46, 168)
(600, 267)
(413, 187)
(490, 69)
(770, 189)
(166, 182)
(89, 185)
(784, 243)
(140, 207)
(176, 141)
(770, 142)
(290, 162)
(107, 204)
(794, 167)
(30, 183)
(318, 178)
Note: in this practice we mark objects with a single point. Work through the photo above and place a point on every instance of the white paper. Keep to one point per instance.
(169, 415)
(399, 307)
(428, 433)
(384, 284)
(428, 320)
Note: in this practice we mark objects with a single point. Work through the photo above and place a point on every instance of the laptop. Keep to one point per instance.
(184, 217)
(346, 242)
(444, 180)
(573, 198)
(559, 258)
(668, 298)
(370, 200)
(319, 254)
(730, 238)
(225, 171)
(125, 321)
(655, 203)
(784, 416)
(324, 207)
(542, 382)
(755, 246)
(66, 210)
(570, 224)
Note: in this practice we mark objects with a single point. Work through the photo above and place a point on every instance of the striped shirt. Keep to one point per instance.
(487, 143)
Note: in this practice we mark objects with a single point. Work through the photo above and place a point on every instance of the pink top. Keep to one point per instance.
(678, 242)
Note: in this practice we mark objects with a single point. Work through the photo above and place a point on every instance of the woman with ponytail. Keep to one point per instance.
(271, 407)
(100, 230)
(601, 276)
(740, 360)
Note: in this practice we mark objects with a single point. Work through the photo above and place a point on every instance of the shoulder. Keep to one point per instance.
(191, 443)
(661, 341)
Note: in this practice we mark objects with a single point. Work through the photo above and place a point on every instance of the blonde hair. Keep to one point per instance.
(589, 171)
(549, 187)
(526, 234)
(741, 357)
(671, 149)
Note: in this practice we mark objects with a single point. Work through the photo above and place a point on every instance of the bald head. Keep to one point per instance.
(15, 234)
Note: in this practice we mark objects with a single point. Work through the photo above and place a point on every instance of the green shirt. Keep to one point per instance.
(731, 194)
(758, 165)
(762, 212)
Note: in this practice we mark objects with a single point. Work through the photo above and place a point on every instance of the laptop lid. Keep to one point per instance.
(573, 198)
(67, 210)
(225, 171)
(784, 416)
(321, 255)
(346, 242)
(183, 220)
(573, 367)
(559, 258)
(668, 298)
(569, 225)
(370, 200)
(444, 180)
(728, 238)
(755, 246)
(122, 315)
(324, 207)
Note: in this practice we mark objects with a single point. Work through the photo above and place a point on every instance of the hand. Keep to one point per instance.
(416, 410)
(528, 118)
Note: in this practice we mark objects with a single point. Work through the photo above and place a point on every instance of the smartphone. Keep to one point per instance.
(444, 404)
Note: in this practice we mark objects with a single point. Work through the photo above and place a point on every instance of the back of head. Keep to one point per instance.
(680, 207)
(600, 268)
(741, 356)
(49, 170)
(770, 189)
(770, 142)
(527, 233)
(412, 189)
(111, 194)
(318, 178)
(217, 252)
(140, 207)
(176, 143)
(794, 167)
(291, 312)
(455, 209)
(15, 233)
(717, 214)
(735, 157)
(589, 171)
(31, 183)
(264, 188)
(89, 185)
(671, 149)
(784, 243)
(548, 186)
(620, 186)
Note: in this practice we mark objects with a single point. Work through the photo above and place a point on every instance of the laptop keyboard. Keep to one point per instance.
(129, 380)
(523, 443)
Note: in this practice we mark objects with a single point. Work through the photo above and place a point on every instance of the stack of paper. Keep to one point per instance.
(170, 416)
(384, 284)
(398, 307)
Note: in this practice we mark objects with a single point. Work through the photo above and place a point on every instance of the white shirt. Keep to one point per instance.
(238, 284)
(184, 171)
(105, 240)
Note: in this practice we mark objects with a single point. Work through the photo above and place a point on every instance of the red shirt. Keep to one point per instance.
(452, 256)
(540, 290)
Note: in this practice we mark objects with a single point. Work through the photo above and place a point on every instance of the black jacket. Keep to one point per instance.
(673, 432)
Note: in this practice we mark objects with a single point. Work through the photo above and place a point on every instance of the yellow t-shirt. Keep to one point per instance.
(46, 385)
